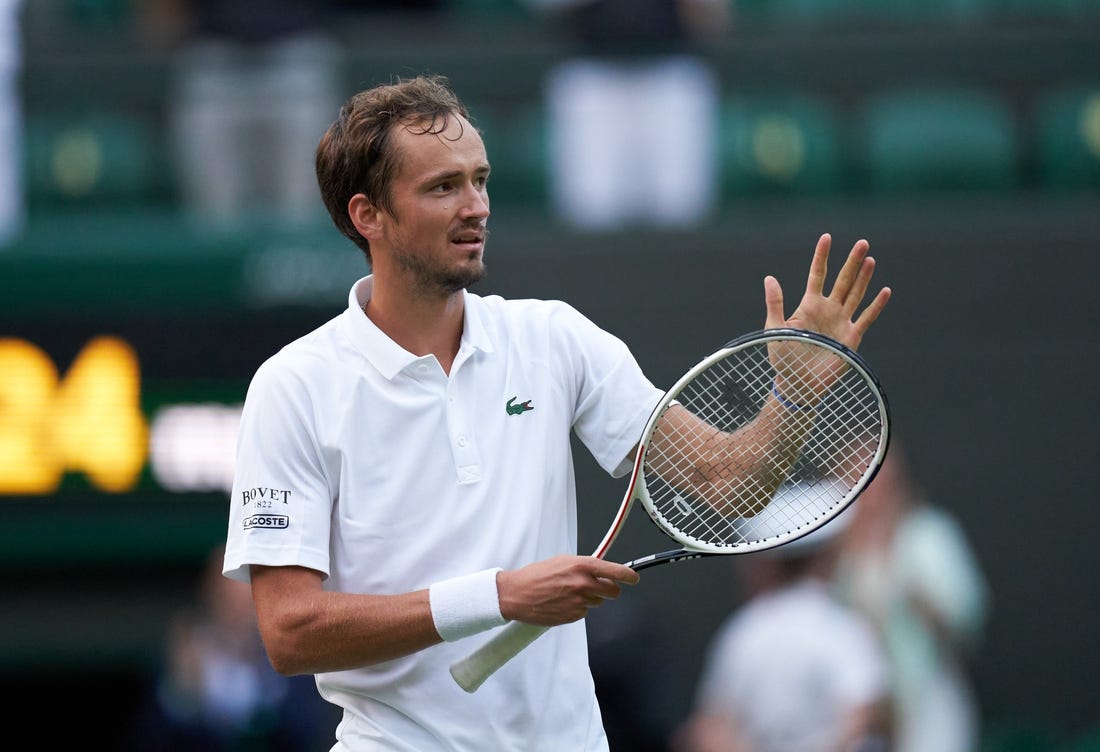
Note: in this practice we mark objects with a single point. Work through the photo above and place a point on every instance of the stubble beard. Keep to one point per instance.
(438, 280)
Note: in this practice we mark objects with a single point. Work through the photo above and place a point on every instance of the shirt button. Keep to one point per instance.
(422, 368)
(462, 441)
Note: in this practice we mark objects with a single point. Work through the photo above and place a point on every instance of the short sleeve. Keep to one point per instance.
(281, 505)
(614, 397)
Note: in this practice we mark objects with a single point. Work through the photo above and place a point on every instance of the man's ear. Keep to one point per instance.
(365, 216)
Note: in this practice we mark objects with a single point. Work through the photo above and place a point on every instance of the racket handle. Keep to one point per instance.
(474, 669)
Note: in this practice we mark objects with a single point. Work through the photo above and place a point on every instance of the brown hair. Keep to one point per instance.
(356, 154)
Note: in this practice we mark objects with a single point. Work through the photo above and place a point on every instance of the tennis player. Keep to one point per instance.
(404, 479)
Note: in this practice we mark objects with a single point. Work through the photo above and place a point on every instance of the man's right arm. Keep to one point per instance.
(308, 630)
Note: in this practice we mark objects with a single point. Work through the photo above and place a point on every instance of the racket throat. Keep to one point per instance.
(667, 557)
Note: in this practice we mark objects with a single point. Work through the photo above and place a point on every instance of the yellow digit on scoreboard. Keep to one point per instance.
(90, 421)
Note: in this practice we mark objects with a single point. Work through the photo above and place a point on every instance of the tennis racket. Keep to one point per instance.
(759, 444)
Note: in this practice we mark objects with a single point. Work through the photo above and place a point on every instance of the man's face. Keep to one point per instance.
(436, 234)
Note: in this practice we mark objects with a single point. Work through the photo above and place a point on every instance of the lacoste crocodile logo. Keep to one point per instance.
(520, 409)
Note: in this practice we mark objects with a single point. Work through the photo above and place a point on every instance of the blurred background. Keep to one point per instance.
(160, 236)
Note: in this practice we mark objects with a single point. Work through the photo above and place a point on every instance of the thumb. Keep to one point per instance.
(773, 303)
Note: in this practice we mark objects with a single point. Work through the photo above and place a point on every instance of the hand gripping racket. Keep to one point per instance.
(759, 444)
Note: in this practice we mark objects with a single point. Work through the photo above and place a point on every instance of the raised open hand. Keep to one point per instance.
(834, 315)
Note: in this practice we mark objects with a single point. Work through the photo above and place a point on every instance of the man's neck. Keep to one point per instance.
(421, 324)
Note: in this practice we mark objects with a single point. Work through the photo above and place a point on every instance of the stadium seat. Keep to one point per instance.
(95, 158)
(1049, 9)
(779, 144)
(929, 11)
(1017, 737)
(112, 13)
(493, 10)
(939, 138)
(860, 12)
(1067, 123)
(516, 138)
(780, 13)
(1089, 741)
(873, 13)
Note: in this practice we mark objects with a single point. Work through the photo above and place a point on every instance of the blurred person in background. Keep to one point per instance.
(254, 87)
(12, 202)
(217, 692)
(907, 565)
(637, 65)
(793, 669)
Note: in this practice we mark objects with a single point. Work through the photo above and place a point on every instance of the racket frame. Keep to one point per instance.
(691, 547)
(471, 671)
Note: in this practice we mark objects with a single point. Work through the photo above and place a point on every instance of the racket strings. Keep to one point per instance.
(715, 501)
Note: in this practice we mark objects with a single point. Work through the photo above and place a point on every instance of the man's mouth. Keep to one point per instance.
(470, 238)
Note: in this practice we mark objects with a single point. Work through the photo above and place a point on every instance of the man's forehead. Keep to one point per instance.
(428, 142)
(447, 127)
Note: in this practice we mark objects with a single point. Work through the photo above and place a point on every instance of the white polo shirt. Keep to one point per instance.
(371, 465)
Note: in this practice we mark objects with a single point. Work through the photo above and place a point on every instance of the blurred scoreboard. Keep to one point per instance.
(95, 421)
(123, 369)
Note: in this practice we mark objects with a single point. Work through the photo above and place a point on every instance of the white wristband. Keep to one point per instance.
(466, 605)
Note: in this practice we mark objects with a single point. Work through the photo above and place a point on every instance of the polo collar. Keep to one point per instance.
(388, 357)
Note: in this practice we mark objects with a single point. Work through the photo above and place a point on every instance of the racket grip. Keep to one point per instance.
(474, 669)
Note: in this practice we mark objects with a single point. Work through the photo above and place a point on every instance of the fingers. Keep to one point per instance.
(609, 570)
(560, 589)
(834, 314)
(819, 266)
(871, 312)
(853, 271)
(852, 282)
(852, 292)
(773, 303)
(608, 578)
(858, 287)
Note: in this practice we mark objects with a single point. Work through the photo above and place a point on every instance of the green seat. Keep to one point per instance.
(864, 12)
(492, 10)
(939, 138)
(1067, 124)
(110, 13)
(779, 144)
(517, 141)
(798, 12)
(95, 158)
(1009, 737)
(1050, 9)
(929, 12)
(1087, 742)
